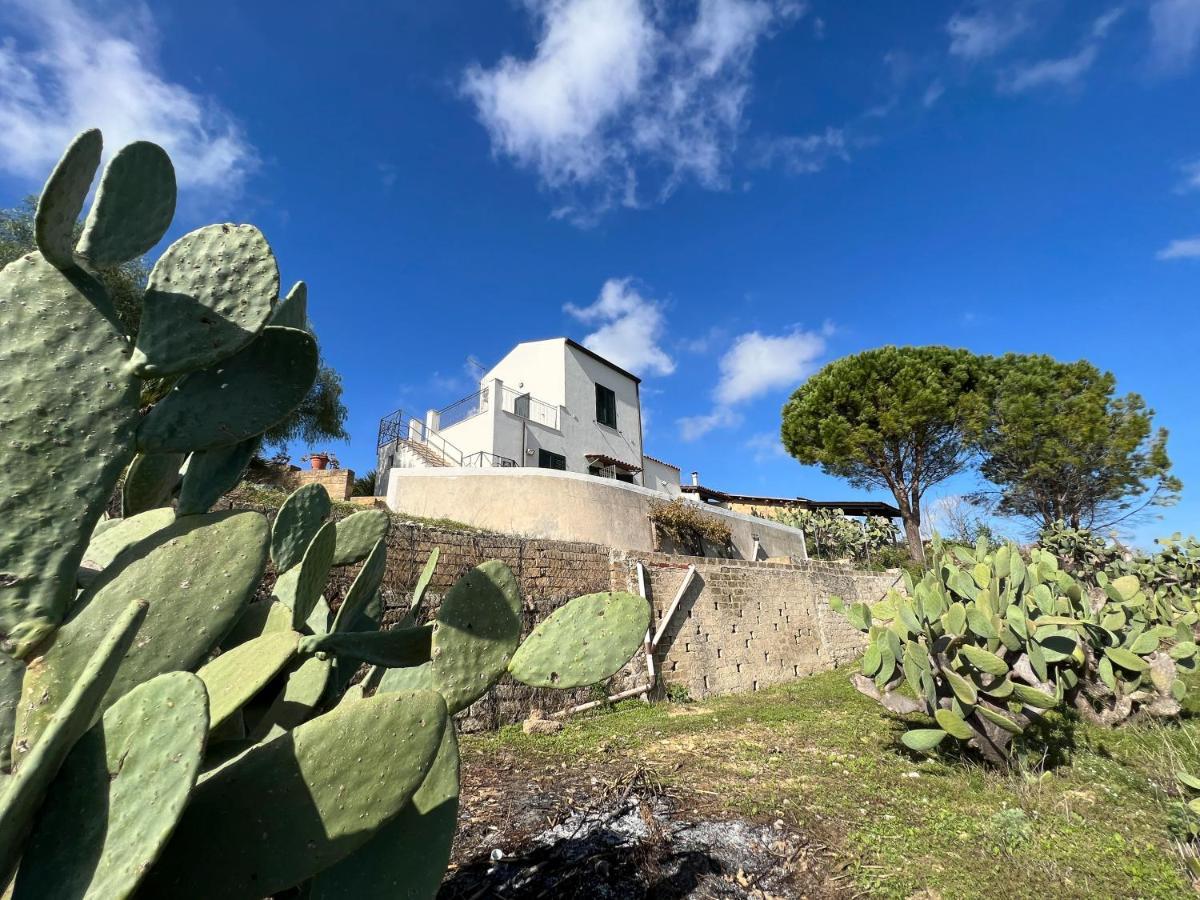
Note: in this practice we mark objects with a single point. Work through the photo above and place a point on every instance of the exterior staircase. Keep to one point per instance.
(427, 454)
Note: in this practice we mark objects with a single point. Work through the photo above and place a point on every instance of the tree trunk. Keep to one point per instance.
(912, 532)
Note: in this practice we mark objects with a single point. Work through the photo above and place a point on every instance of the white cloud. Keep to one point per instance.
(933, 94)
(74, 70)
(756, 364)
(986, 30)
(692, 428)
(1064, 72)
(631, 328)
(1104, 23)
(1184, 248)
(806, 154)
(1175, 33)
(616, 88)
(1191, 176)
(766, 446)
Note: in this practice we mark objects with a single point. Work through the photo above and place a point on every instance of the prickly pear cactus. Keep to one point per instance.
(154, 715)
(988, 643)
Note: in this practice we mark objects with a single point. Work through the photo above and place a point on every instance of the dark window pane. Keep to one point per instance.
(548, 460)
(606, 406)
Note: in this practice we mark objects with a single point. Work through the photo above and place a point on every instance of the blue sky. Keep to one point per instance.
(722, 195)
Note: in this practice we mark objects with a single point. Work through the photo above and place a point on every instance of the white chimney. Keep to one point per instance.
(696, 479)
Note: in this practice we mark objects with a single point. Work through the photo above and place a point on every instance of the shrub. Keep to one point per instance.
(686, 523)
(364, 485)
(987, 644)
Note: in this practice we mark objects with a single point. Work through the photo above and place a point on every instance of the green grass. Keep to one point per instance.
(828, 761)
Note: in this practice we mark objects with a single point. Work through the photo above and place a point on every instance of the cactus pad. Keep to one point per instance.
(37, 767)
(63, 197)
(69, 411)
(119, 794)
(211, 473)
(235, 676)
(12, 672)
(410, 678)
(475, 633)
(426, 576)
(236, 399)
(292, 310)
(133, 208)
(106, 545)
(208, 296)
(358, 534)
(395, 648)
(408, 856)
(583, 642)
(305, 687)
(259, 618)
(149, 482)
(296, 805)
(366, 585)
(299, 519)
(198, 575)
(300, 586)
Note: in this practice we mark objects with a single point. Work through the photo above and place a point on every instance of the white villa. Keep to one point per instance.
(550, 446)
(550, 404)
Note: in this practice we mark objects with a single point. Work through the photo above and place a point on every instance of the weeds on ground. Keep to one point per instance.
(1090, 817)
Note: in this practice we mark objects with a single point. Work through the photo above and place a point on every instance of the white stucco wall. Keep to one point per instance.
(477, 432)
(534, 368)
(586, 435)
(564, 506)
(660, 477)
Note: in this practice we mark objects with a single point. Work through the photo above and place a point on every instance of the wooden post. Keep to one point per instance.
(584, 707)
(647, 642)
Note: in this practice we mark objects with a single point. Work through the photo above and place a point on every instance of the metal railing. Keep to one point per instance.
(483, 460)
(461, 410)
(408, 430)
(529, 407)
(396, 428)
(390, 428)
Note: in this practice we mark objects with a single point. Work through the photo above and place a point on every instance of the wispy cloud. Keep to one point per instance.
(1191, 176)
(756, 364)
(630, 330)
(1066, 71)
(619, 93)
(805, 154)
(1174, 33)
(64, 69)
(692, 428)
(765, 447)
(985, 29)
(1184, 248)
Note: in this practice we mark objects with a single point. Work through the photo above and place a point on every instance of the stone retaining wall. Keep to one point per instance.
(742, 625)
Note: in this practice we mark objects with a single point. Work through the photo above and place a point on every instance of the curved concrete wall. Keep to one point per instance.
(565, 506)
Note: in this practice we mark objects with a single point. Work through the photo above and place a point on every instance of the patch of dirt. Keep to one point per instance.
(586, 832)
(683, 709)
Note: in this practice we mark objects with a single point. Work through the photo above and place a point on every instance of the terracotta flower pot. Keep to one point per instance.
(318, 462)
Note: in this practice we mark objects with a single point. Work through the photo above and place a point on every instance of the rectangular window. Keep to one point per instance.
(548, 460)
(606, 406)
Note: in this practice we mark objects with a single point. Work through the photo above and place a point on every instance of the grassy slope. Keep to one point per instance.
(829, 762)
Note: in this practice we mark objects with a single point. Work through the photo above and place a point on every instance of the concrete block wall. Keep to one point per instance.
(742, 626)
